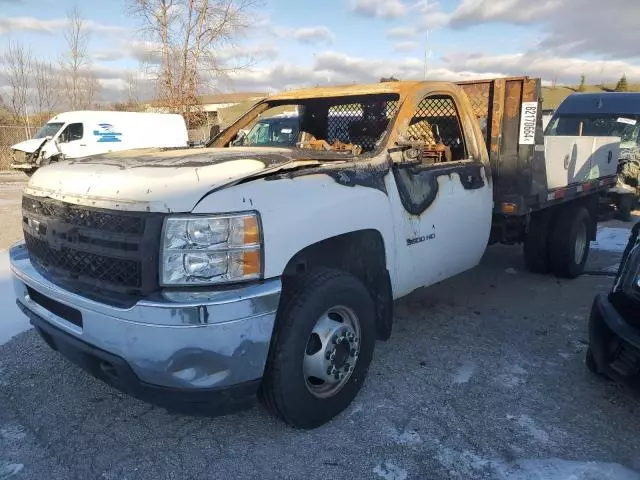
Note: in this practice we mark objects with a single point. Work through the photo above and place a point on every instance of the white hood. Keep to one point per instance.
(29, 146)
(150, 180)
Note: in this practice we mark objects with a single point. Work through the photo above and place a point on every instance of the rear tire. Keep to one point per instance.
(569, 246)
(626, 204)
(288, 390)
(536, 244)
(29, 173)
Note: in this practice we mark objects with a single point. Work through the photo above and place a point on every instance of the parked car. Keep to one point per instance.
(614, 324)
(215, 274)
(88, 133)
(607, 114)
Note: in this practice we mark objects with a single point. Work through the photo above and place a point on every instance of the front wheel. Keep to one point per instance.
(321, 350)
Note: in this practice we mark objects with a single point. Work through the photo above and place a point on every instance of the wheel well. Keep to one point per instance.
(360, 253)
(590, 203)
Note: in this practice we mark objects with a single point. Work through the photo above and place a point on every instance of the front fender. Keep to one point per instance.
(302, 211)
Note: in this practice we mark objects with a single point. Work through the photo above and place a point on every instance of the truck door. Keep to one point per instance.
(72, 142)
(444, 207)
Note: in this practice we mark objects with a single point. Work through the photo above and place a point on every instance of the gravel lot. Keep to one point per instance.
(483, 377)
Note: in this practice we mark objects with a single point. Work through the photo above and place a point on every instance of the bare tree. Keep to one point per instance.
(18, 62)
(80, 85)
(88, 88)
(133, 89)
(47, 83)
(187, 34)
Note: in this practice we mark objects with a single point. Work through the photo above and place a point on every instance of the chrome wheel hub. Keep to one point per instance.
(332, 351)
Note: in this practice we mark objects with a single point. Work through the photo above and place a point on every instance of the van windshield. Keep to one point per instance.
(627, 127)
(48, 130)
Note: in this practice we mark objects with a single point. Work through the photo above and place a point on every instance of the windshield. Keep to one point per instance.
(48, 130)
(627, 127)
(276, 132)
(356, 124)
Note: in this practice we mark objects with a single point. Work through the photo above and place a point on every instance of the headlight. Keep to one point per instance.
(210, 250)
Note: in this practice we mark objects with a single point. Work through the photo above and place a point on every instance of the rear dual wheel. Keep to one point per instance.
(559, 243)
(321, 350)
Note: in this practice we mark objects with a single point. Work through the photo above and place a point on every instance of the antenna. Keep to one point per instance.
(427, 55)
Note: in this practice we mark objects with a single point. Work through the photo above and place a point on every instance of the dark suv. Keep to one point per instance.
(614, 326)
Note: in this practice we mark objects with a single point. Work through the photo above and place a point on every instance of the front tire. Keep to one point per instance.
(321, 349)
(570, 242)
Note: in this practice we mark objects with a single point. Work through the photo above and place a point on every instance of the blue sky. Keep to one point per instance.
(335, 41)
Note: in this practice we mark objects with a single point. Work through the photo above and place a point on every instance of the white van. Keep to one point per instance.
(87, 133)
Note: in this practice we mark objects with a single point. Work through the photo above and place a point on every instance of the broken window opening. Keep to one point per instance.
(436, 125)
(353, 124)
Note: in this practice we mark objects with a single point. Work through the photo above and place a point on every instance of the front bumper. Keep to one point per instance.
(614, 343)
(193, 344)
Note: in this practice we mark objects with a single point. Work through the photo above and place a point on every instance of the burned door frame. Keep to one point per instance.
(417, 196)
(444, 211)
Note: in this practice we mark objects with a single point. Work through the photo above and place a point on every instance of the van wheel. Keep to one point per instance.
(321, 349)
(30, 172)
(536, 244)
(569, 247)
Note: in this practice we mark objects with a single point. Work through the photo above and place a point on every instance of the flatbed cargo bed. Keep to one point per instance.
(509, 111)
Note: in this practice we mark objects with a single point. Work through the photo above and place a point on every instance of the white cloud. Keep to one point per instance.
(30, 24)
(403, 33)
(332, 68)
(431, 14)
(405, 46)
(567, 27)
(307, 35)
(566, 70)
(312, 35)
(471, 12)
(36, 25)
(379, 8)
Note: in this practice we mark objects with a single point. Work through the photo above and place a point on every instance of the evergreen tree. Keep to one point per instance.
(622, 85)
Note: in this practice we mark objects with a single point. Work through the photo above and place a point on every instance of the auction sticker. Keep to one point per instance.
(528, 123)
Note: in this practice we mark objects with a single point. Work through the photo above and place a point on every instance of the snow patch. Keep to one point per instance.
(12, 321)
(467, 464)
(558, 469)
(529, 426)
(611, 239)
(408, 437)
(12, 433)
(9, 469)
(464, 373)
(517, 369)
(390, 471)
(508, 380)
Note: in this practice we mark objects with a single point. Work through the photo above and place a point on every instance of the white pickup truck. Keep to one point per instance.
(203, 277)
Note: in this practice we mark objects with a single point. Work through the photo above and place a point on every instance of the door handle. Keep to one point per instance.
(83, 144)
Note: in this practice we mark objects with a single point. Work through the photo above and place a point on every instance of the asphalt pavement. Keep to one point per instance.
(483, 377)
